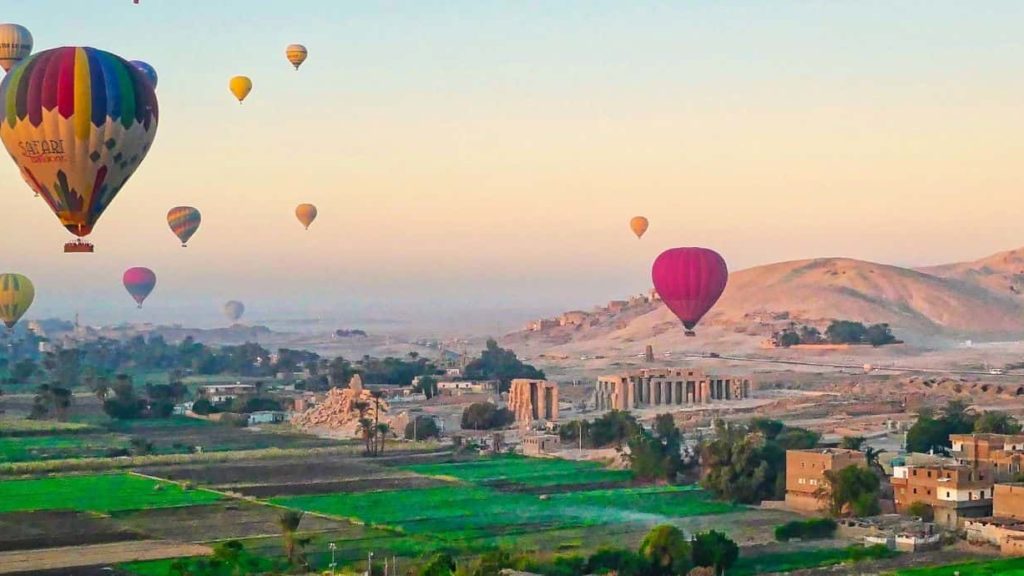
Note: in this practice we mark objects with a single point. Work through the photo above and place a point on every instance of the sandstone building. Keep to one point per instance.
(533, 400)
(650, 387)
(999, 454)
(805, 475)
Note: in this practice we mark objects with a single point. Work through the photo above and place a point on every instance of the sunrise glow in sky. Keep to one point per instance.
(485, 157)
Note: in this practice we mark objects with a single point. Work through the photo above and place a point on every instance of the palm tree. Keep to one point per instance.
(289, 523)
(382, 433)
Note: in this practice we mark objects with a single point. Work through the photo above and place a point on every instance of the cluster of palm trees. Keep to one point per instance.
(374, 431)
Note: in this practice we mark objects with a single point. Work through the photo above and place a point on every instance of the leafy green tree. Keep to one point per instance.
(809, 335)
(656, 456)
(51, 400)
(125, 404)
(845, 332)
(485, 416)
(879, 335)
(666, 550)
(496, 363)
(620, 561)
(613, 428)
(852, 490)
(714, 549)
(768, 427)
(852, 442)
(427, 385)
(288, 522)
(788, 337)
(440, 564)
(922, 510)
(423, 427)
(932, 433)
(569, 433)
(996, 422)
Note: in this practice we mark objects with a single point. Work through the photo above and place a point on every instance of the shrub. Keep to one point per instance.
(922, 510)
(813, 529)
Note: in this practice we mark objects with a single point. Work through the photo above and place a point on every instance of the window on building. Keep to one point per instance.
(929, 473)
(915, 490)
(947, 493)
(982, 495)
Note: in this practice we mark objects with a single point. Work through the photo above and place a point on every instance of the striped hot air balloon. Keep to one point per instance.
(296, 54)
(184, 221)
(16, 295)
(78, 122)
(139, 282)
(15, 44)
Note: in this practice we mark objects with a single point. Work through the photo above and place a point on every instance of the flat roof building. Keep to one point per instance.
(806, 487)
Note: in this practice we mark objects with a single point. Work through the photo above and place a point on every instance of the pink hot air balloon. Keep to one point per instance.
(689, 281)
(139, 282)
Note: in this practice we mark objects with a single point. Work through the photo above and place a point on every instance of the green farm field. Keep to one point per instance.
(96, 493)
(1003, 567)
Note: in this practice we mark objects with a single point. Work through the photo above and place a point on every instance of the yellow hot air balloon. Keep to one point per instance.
(16, 295)
(296, 54)
(639, 225)
(306, 213)
(240, 86)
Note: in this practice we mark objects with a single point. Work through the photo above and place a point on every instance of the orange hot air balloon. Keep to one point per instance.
(296, 54)
(306, 213)
(639, 225)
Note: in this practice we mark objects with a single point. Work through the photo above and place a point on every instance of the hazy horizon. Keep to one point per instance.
(474, 162)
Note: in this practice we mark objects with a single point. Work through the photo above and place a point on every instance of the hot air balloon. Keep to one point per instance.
(306, 213)
(184, 221)
(147, 70)
(16, 295)
(78, 122)
(689, 281)
(639, 225)
(234, 309)
(240, 86)
(15, 45)
(139, 282)
(296, 54)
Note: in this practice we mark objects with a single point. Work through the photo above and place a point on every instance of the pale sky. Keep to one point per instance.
(482, 157)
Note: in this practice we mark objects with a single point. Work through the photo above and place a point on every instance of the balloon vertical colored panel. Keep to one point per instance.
(184, 221)
(16, 295)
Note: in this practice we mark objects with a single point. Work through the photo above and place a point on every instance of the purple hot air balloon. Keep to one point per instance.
(147, 70)
(689, 281)
(139, 282)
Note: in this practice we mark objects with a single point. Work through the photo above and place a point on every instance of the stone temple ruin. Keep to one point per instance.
(533, 400)
(650, 387)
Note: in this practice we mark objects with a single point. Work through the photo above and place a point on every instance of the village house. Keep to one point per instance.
(218, 393)
(806, 487)
(1000, 454)
(954, 491)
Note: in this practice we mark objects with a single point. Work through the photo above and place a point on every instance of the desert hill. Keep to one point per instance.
(981, 300)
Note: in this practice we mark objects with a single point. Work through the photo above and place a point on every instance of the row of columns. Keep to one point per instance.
(628, 394)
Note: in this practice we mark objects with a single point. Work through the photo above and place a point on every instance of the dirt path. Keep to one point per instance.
(50, 558)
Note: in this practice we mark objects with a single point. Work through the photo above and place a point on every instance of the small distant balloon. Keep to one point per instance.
(306, 213)
(139, 282)
(638, 224)
(16, 295)
(147, 70)
(234, 309)
(184, 221)
(689, 281)
(296, 54)
(240, 86)
(15, 45)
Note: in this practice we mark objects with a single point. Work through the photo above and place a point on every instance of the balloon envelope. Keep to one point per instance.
(139, 282)
(638, 224)
(296, 54)
(78, 122)
(689, 281)
(15, 45)
(240, 86)
(184, 221)
(306, 213)
(234, 309)
(16, 295)
(147, 70)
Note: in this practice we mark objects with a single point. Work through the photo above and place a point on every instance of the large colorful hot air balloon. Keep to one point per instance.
(139, 282)
(184, 221)
(15, 45)
(147, 70)
(234, 309)
(16, 295)
(306, 213)
(240, 86)
(296, 54)
(78, 122)
(638, 224)
(689, 281)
